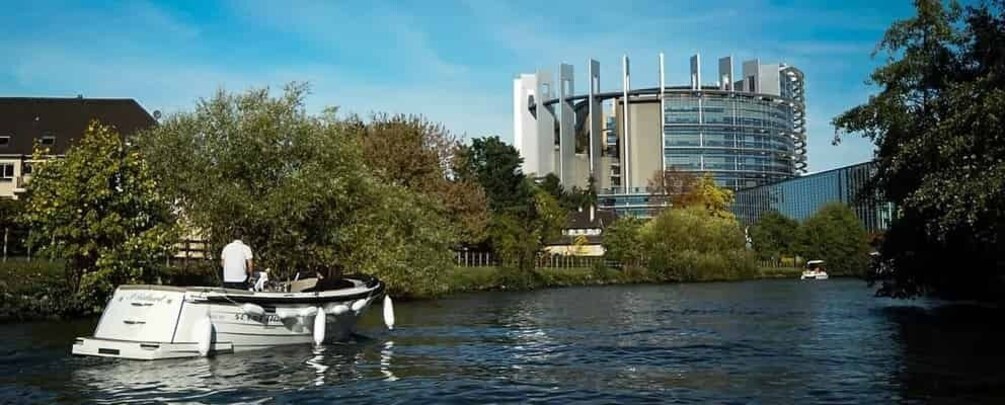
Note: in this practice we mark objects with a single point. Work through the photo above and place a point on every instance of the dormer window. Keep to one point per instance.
(48, 140)
(5, 141)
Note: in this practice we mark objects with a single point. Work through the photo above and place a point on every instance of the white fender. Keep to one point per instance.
(308, 312)
(319, 326)
(388, 312)
(204, 335)
(252, 309)
(358, 305)
(337, 309)
(287, 313)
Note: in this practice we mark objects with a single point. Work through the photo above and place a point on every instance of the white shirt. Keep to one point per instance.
(235, 256)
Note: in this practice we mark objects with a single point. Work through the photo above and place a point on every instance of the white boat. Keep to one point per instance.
(814, 271)
(149, 322)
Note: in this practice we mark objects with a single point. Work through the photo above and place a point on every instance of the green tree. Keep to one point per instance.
(622, 241)
(11, 211)
(938, 126)
(496, 166)
(707, 194)
(298, 187)
(422, 156)
(689, 244)
(518, 237)
(774, 235)
(570, 199)
(101, 211)
(836, 236)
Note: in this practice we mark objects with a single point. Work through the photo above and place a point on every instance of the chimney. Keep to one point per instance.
(593, 212)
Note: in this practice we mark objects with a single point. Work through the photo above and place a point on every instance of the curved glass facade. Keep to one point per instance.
(742, 139)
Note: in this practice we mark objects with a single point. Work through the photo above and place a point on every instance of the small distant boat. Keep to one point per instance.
(814, 271)
(150, 322)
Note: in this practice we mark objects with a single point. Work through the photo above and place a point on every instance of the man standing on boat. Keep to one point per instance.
(237, 264)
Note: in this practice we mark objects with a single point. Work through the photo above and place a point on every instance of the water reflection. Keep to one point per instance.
(764, 342)
(385, 361)
(316, 362)
(243, 376)
(949, 352)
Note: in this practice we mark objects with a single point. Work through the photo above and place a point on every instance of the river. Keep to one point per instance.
(759, 341)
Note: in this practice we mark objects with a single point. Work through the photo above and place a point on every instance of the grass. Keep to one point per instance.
(779, 272)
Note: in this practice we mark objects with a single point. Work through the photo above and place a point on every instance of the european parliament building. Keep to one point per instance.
(745, 132)
(748, 132)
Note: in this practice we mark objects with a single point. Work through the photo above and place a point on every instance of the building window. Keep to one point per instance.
(48, 140)
(6, 172)
(4, 140)
(26, 168)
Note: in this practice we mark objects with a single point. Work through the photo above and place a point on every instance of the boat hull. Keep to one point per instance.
(158, 322)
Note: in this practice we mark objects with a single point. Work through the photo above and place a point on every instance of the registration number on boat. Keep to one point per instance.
(240, 316)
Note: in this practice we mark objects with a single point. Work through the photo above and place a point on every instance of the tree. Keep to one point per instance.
(11, 211)
(672, 187)
(774, 235)
(688, 244)
(518, 237)
(622, 241)
(422, 156)
(298, 187)
(101, 211)
(571, 199)
(496, 166)
(836, 236)
(937, 123)
(708, 195)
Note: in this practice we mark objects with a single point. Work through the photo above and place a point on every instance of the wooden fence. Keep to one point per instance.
(481, 259)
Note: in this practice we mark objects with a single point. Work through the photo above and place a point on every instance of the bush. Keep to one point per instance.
(691, 245)
(36, 289)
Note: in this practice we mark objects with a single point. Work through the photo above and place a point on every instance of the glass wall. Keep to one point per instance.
(801, 197)
(743, 140)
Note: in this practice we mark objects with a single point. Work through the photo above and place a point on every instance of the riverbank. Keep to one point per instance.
(37, 290)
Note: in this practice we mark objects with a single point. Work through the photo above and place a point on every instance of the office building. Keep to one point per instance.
(801, 197)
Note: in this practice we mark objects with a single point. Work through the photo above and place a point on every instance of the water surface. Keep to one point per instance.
(762, 341)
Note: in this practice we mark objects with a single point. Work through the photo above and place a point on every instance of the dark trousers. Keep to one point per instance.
(243, 285)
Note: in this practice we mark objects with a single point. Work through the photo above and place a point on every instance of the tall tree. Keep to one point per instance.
(518, 237)
(938, 126)
(422, 156)
(672, 187)
(298, 187)
(496, 166)
(774, 235)
(835, 235)
(525, 216)
(101, 211)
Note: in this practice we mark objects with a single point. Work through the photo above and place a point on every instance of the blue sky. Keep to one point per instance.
(452, 61)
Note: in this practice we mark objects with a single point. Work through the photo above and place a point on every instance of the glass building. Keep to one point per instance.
(745, 131)
(801, 197)
(742, 139)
